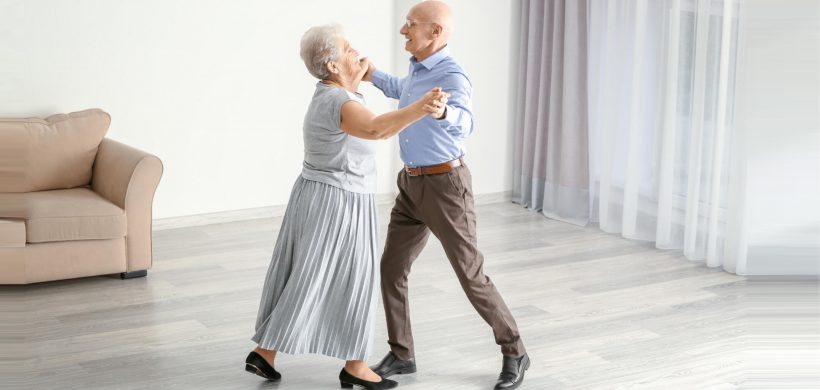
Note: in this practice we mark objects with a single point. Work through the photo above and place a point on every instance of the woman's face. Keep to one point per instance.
(348, 63)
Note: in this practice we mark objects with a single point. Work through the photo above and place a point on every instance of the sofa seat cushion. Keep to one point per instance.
(64, 215)
(12, 233)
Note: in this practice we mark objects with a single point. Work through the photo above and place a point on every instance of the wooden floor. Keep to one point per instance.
(596, 312)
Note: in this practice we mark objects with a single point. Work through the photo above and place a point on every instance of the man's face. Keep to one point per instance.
(418, 33)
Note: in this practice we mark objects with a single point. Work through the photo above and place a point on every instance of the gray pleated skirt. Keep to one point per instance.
(320, 291)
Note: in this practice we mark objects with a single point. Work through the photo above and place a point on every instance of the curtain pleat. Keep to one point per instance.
(551, 133)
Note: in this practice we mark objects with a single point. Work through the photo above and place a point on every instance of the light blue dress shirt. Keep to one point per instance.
(432, 141)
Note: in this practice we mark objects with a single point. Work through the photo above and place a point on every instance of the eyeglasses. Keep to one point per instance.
(411, 23)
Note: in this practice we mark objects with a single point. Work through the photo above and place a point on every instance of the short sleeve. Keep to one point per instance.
(340, 97)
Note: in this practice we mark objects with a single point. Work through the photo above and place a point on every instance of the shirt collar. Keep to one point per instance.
(434, 59)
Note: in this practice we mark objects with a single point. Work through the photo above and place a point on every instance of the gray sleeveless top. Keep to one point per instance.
(331, 155)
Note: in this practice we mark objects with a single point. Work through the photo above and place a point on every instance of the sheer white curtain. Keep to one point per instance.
(662, 165)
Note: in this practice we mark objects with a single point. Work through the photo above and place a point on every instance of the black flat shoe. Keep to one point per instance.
(347, 381)
(512, 372)
(392, 365)
(256, 364)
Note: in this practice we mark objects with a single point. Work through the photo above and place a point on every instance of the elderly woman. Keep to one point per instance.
(321, 288)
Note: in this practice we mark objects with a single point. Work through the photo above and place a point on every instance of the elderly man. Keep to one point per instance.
(435, 195)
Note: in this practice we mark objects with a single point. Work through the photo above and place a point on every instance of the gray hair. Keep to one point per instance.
(319, 46)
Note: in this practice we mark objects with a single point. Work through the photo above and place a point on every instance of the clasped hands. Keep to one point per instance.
(435, 102)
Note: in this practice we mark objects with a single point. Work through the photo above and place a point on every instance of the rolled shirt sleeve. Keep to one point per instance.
(458, 120)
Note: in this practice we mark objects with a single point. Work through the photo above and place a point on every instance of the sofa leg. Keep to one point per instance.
(134, 274)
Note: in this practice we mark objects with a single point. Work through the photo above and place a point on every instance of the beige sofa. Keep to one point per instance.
(73, 203)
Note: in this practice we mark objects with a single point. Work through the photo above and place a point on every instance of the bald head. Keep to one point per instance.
(428, 28)
(434, 11)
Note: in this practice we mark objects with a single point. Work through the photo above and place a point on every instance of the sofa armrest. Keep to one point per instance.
(128, 178)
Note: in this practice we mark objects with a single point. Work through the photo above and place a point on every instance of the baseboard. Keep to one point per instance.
(493, 197)
(218, 217)
(385, 199)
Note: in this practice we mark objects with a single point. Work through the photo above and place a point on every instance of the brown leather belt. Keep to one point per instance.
(435, 169)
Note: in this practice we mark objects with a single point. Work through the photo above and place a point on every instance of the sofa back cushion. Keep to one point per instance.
(52, 153)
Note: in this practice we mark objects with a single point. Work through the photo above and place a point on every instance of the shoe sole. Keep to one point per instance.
(398, 372)
(255, 370)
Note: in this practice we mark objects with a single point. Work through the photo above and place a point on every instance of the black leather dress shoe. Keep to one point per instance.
(512, 372)
(256, 364)
(392, 365)
(347, 381)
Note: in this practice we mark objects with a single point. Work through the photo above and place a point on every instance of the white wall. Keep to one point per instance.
(216, 88)
(778, 98)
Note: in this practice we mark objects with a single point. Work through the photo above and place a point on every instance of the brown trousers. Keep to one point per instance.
(442, 204)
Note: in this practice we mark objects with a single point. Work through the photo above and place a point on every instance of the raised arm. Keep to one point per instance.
(360, 122)
(390, 85)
